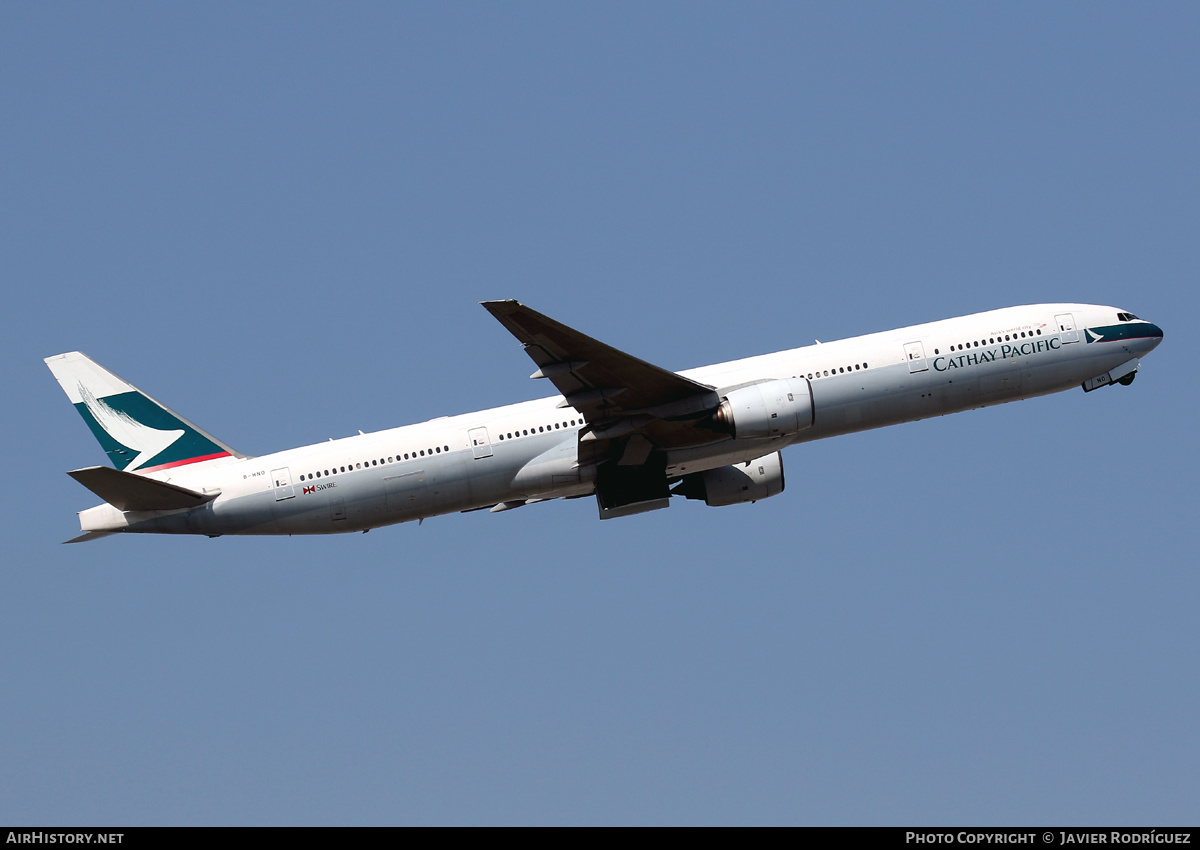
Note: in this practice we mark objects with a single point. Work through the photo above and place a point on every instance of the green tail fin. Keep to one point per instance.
(138, 433)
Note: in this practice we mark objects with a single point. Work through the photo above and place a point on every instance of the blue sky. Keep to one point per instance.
(279, 220)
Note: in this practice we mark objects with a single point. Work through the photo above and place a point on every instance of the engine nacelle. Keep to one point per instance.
(732, 485)
(771, 409)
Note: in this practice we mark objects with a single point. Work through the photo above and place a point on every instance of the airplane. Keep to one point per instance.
(623, 430)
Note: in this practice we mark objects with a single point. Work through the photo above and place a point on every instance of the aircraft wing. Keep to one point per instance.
(606, 385)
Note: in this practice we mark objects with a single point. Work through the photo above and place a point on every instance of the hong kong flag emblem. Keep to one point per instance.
(308, 490)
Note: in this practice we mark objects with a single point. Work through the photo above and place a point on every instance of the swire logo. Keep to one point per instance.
(308, 490)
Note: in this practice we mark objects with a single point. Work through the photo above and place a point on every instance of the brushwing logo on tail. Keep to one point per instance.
(124, 429)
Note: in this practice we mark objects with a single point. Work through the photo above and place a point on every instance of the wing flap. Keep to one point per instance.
(127, 491)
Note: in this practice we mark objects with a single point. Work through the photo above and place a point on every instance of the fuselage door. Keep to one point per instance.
(1066, 327)
(480, 444)
(283, 484)
(914, 353)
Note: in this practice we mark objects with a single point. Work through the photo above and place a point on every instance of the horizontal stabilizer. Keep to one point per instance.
(126, 491)
(91, 535)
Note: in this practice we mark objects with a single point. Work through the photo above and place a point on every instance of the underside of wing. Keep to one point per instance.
(616, 392)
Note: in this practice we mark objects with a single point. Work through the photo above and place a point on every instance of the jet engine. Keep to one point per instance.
(769, 409)
(731, 485)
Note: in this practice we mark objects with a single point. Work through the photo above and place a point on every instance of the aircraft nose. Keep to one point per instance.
(1155, 334)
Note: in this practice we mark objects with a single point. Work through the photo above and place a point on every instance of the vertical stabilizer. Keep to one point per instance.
(138, 433)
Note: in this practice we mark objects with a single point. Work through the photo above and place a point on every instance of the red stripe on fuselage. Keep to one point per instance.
(175, 463)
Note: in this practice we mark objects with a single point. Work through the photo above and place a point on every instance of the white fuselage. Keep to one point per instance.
(512, 455)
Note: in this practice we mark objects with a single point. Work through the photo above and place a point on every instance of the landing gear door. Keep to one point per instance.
(282, 479)
(914, 353)
(1066, 327)
(480, 444)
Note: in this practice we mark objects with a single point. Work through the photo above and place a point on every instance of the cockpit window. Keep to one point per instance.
(1128, 317)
